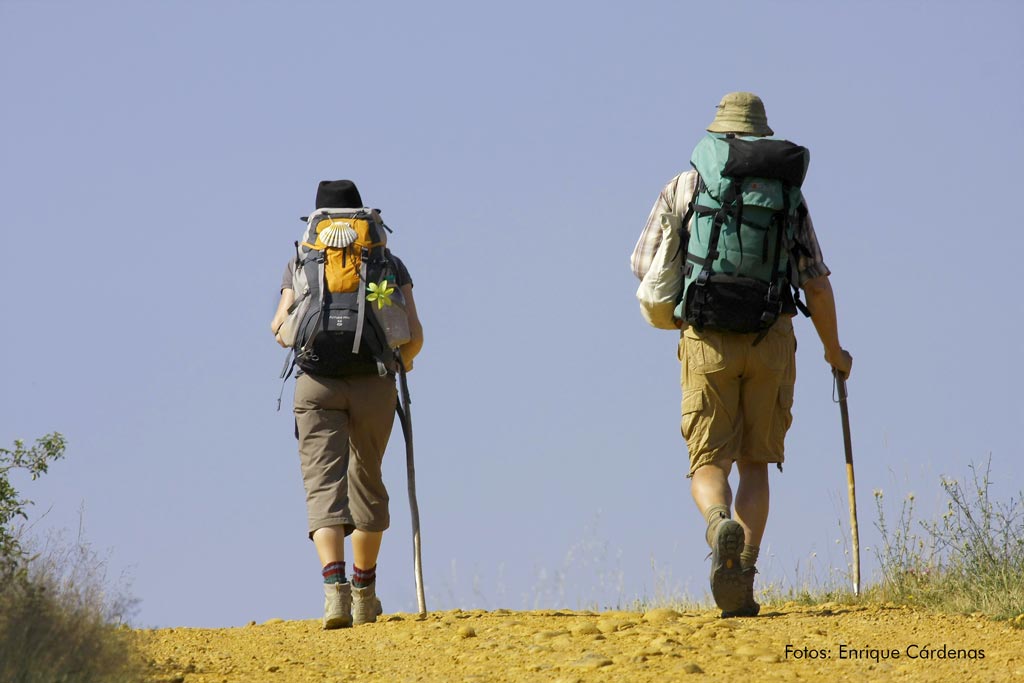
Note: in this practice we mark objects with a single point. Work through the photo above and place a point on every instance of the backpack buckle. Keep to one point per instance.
(773, 306)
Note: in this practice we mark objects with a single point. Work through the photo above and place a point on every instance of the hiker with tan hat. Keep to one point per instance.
(726, 251)
(347, 312)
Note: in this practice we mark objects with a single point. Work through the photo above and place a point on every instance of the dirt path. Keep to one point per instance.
(789, 643)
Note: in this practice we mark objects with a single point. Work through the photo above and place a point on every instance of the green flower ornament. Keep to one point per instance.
(381, 293)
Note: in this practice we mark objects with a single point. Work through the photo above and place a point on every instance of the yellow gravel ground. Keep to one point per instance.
(828, 642)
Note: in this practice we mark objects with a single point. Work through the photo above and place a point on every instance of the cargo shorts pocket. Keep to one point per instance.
(703, 351)
(783, 418)
(693, 407)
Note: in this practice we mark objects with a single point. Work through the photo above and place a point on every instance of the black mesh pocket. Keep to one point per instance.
(730, 304)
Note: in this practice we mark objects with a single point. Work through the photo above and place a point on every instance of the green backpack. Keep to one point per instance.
(745, 212)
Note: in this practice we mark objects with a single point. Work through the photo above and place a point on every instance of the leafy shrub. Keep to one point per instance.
(58, 623)
(35, 461)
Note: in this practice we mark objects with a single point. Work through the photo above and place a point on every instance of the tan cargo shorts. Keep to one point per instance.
(737, 397)
(343, 425)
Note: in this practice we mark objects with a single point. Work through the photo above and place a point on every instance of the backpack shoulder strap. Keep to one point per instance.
(687, 213)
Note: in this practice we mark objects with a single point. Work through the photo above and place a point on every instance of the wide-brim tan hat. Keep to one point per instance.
(741, 112)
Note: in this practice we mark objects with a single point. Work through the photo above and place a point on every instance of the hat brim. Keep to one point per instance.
(743, 127)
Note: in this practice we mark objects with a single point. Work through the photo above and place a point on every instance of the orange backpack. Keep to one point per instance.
(349, 314)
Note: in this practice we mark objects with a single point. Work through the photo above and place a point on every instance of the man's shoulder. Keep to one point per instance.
(682, 181)
(689, 175)
(680, 189)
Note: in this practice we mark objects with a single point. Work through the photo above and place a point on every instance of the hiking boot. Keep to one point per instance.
(338, 605)
(365, 605)
(749, 608)
(728, 585)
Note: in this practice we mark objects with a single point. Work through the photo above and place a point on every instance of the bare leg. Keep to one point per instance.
(752, 497)
(710, 486)
(711, 493)
(365, 547)
(330, 544)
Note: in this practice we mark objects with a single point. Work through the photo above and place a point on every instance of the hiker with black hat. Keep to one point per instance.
(743, 239)
(343, 296)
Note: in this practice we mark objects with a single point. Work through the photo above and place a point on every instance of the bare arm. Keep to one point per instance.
(822, 303)
(287, 298)
(411, 349)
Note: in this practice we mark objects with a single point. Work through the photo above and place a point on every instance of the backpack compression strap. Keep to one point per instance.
(378, 346)
(307, 349)
(700, 210)
(361, 298)
(773, 299)
(729, 200)
(301, 351)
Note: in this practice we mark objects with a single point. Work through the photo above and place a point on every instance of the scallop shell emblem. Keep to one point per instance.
(338, 234)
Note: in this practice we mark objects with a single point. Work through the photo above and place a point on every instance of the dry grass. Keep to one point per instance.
(971, 559)
(968, 561)
(60, 623)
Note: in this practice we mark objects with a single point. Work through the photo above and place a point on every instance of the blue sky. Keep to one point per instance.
(154, 158)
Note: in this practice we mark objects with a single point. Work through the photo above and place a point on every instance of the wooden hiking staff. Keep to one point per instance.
(405, 417)
(851, 486)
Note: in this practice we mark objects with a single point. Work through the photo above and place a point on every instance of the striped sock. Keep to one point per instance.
(361, 578)
(334, 572)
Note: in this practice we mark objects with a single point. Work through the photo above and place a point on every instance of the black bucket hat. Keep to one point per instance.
(338, 194)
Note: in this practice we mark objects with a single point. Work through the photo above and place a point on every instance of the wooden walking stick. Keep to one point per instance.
(405, 417)
(851, 486)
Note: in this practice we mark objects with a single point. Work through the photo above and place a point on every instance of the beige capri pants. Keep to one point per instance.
(343, 425)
